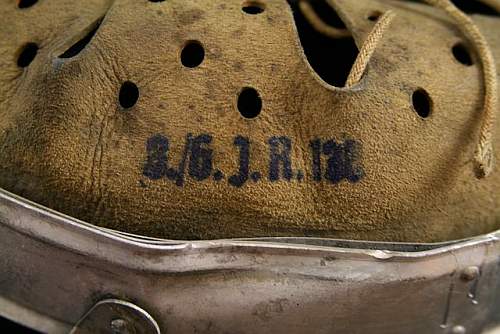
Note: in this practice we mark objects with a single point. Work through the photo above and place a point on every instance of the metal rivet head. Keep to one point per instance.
(116, 316)
(458, 330)
(119, 326)
(470, 273)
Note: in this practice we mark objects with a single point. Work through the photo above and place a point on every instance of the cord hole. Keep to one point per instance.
(374, 16)
(249, 103)
(129, 94)
(422, 103)
(156, 0)
(320, 49)
(26, 3)
(193, 54)
(253, 7)
(27, 55)
(462, 54)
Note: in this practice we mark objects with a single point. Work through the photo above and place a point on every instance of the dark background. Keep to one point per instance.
(8, 326)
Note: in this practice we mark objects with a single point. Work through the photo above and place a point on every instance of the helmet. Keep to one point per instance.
(266, 132)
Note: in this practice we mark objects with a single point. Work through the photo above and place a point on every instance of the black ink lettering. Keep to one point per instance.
(178, 175)
(256, 176)
(218, 176)
(280, 158)
(354, 169)
(343, 162)
(300, 176)
(335, 167)
(239, 179)
(316, 162)
(156, 164)
(200, 162)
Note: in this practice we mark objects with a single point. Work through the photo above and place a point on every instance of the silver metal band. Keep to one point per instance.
(58, 275)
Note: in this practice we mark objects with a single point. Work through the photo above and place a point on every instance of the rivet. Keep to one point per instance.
(470, 273)
(458, 330)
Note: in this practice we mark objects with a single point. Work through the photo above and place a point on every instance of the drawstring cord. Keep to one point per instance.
(368, 48)
(484, 153)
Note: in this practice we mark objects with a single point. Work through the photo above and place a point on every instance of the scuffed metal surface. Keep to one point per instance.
(56, 269)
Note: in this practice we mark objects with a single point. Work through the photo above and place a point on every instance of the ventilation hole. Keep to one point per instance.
(331, 59)
(26, 3)
(253, 7)
(76, 48)
(129, 94)
(462, 54)
(193, 54)
(422, 103)
(27, 54)
(249, 103)
(374, 16)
